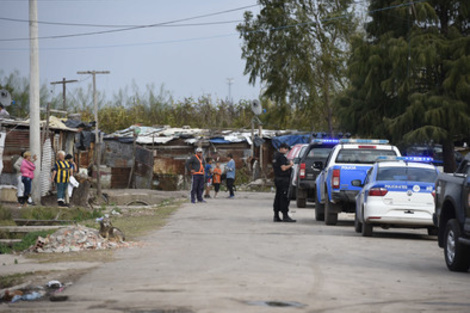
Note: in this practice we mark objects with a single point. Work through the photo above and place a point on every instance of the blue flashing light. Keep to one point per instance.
(370, 141)
(406, 159)
(325, 141)
(417, 159)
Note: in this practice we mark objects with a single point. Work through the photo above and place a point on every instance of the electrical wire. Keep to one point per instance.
(115, 26)
(133, 27)
(226, 35)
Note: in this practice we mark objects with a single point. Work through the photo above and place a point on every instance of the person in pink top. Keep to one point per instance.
(27, 174)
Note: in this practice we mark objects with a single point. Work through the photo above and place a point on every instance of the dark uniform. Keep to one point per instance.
(281, 181)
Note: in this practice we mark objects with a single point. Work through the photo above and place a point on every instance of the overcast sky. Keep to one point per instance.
(190, 60)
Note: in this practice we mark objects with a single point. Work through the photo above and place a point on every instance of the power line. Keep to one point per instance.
(130, 45)
(115, 26)
(231, 34)
(134, 27)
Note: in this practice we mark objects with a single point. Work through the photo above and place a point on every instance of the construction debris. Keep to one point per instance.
(74, 239)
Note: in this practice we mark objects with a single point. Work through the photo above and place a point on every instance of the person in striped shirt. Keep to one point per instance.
(60, 175)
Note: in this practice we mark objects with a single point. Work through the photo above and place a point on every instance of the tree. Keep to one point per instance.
(297, 49)
(18, 87)
(410, 77)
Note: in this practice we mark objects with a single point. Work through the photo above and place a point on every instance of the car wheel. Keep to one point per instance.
(331, 218)
(367, 229)
(319, 211)
(433, 231)
(301, 200)
(456, 254)
(357, 224)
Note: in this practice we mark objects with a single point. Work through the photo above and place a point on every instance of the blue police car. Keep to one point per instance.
(396, 193)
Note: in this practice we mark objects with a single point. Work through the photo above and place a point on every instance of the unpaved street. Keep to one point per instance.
(228, 256)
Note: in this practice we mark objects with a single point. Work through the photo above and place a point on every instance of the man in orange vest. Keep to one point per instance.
(195, 166)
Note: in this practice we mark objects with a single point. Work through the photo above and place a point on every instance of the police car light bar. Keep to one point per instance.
(322, 141)
(416, 159)
(406, 158)
(372, 141)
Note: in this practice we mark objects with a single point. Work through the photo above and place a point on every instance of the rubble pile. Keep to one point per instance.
(74, 239)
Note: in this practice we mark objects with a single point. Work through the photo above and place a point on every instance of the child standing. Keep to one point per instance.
(216, 178)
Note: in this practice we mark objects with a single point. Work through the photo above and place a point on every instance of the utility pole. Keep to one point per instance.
(97, 135)
(34, 98)
(64, 82)
(230, 82)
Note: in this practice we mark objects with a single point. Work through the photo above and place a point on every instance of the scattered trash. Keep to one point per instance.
(27, 297)
(55, 284)
(57, 298)
(10, 294)
(78, 238)
(26, 292)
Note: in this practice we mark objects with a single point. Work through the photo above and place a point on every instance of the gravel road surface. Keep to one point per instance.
(227, 255)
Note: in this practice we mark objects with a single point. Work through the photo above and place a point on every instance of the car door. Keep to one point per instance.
(322, 176)
(466, 200)
(361, 197)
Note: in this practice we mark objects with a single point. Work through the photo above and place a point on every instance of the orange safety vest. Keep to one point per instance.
(201, 168)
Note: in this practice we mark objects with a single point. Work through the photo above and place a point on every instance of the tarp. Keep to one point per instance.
(219, 140)
(290, 140)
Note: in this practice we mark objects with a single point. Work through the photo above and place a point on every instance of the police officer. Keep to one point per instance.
(282, 172)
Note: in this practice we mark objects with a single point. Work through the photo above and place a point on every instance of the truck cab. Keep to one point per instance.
(310, 165)
(349, 160)
(452, 216)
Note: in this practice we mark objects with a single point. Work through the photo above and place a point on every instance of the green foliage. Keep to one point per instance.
(57, 213)
(297, 50)
(27, 241)
(410, 78)
(5, 214)
(30, 240)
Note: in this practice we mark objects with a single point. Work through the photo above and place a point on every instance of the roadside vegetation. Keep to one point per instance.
(134, 222)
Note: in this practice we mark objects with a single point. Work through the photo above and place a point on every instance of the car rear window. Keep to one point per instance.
(362, 156)
(406, 173)
(319, 152)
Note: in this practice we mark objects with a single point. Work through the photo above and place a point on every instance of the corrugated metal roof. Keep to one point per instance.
(163, 135)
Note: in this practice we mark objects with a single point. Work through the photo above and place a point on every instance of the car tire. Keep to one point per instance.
(331, 218)
(301, 200)
(456, 254)
(319, 211)
(357, 225)
(433, 231)
(367, 229)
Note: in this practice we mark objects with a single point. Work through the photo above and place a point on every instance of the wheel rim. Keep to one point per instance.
(450, 246)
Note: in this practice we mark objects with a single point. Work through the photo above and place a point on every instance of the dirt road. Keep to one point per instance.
(227, 255)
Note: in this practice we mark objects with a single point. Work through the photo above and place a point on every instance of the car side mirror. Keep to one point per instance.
(357, 183)
(318, 165)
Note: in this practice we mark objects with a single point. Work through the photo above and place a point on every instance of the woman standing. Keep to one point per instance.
(60, 175)
(27, 174)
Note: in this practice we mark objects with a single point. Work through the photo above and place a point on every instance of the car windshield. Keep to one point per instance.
(406, 173)
(320, 152)
(362, 156)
